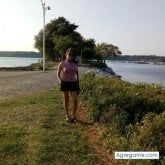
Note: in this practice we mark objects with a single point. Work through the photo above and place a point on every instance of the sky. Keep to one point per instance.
(137, 27)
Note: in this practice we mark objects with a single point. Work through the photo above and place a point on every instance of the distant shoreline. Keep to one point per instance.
(21, 54)
(21, 68)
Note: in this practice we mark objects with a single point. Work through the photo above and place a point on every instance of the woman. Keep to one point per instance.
(68, 77)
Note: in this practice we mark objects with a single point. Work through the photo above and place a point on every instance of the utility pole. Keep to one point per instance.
(44, 7)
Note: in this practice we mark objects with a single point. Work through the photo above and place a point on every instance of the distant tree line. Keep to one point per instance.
(32, 54)
(148, 58)
(20, 54)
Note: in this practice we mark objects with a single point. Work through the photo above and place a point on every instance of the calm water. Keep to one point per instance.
(139, 73)
(17, 61)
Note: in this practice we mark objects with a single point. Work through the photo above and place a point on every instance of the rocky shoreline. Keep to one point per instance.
(107, 72)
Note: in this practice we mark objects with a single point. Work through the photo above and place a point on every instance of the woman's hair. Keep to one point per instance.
(76, 59)
(68, 50)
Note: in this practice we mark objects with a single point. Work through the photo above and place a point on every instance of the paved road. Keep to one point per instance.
(19, 82)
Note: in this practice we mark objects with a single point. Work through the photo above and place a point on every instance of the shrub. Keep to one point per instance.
(39, 66)
(36, 66)
(150, 135)
(116, 118)
(133, 114)
(98, 64)
(101, 93)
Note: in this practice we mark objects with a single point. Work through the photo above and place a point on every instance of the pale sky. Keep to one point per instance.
(137, 27)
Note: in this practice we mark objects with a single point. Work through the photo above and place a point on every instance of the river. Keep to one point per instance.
(17, 61)
(138, 73)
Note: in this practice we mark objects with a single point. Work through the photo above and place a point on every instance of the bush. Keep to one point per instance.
(99, 94)
(98, 64)
(150, 135)
(36, 66)
(39, 66)
(132, 115)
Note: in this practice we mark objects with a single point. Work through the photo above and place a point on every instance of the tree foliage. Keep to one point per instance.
(88, 54)
(106, 50)
(88, 49)
(60, 34)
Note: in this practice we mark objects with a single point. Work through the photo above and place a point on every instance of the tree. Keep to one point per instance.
(106, 50)
(88, 49)
(62, 43)
(59, 35)
(88, 54)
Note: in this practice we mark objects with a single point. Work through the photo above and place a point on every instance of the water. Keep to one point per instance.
(17, 61)
(139, 73)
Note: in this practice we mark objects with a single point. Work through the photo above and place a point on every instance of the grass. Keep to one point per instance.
(33, 130)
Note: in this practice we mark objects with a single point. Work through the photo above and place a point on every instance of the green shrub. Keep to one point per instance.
(36, 66)
(101, 93)
(49, 65)
(98, 64)
(117, 118)
(150, 136)
(132, 115)
(97, 95)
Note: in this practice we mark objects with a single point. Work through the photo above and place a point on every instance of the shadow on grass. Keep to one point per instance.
(89, 123)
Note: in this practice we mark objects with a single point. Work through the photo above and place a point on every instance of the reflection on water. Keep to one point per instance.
(139, 73)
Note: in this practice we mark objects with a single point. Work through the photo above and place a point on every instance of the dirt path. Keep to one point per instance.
(22, 82)
(93, 133)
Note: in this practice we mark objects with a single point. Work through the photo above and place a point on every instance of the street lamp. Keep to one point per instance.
(44, 7)
(81, 51)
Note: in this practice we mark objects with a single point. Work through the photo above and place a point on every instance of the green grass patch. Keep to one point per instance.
(12, 145)
(33, 130)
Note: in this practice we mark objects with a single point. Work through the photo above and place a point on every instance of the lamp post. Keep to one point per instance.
(81, 50)
(44, 7)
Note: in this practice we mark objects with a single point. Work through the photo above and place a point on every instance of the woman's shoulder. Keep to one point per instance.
(62, 62)
(66, 63)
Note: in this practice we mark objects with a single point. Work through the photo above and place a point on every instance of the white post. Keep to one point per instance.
(81, 52)
(44, 11)
(43, 5)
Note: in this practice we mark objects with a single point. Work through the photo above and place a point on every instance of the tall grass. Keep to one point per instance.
(133, 115)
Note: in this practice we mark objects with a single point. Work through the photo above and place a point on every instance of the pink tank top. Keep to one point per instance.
(69, 71)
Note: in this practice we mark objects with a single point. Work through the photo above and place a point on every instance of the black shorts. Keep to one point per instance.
(69, 86)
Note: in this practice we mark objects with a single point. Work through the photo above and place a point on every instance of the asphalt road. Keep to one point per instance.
(14, 83)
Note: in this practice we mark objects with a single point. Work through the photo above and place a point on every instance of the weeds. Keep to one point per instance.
(132, 114)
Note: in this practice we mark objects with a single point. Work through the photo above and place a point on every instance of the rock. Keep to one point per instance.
(108, 72)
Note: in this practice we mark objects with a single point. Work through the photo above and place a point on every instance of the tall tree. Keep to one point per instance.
(88, 47)
(59, 34)
(106, 50)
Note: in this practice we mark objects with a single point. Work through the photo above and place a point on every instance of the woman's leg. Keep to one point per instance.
(66, 102)
(74, 102)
